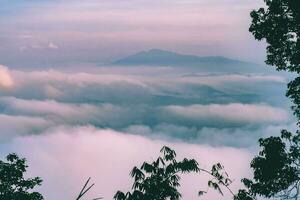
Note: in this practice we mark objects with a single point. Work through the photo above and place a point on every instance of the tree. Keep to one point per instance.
(277, 167)
(279, 25)
(294, 94)
(13, 185)
(160, 179)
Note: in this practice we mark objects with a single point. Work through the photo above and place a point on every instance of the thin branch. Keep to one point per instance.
(208, 172)
(85, 189)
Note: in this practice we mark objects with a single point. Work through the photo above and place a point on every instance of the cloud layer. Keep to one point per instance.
(179, 105)
(233, 114)
(108, 156)
(96, 121)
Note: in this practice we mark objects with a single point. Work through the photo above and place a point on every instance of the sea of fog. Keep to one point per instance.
(85, 121)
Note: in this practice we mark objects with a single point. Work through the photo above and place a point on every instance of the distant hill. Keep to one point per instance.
(158, 57)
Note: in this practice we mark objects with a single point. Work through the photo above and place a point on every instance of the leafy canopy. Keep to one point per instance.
(160, 179)
(277, 167)
(279, 25)
(13, 185)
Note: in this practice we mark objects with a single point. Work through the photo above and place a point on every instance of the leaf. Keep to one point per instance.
(201, 193)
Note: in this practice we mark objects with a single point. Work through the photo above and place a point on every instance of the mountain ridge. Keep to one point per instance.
(163, 53)
(158, 57)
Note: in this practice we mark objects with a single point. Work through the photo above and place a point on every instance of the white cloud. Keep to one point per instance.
(6, 80)
(148, 102)
(234, 78)
(68, 113)
(40, 46)
(77, 78)
(178, 105)
(131, 85)
(13, 126)
(234, 113)
(73, 154)
(52, 46)
(52, 92)
(242, 137)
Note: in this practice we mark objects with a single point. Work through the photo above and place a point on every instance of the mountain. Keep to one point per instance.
(158, 57)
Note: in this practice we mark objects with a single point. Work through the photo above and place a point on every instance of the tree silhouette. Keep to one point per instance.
(160, 179)
(13, 185)
(279, 25)
(277, 167)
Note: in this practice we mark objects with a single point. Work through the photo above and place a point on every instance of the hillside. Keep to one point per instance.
(157, 57)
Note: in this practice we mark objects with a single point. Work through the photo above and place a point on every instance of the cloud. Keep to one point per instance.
(38, 46)
(206, 127)
(42, 108)
(104, 115)
(6, 80)
(52, 46)
(168, 104)
(243, 137)
(13, 126)
(234, 114)
(230, 78)
(132, 86)
(78, 78)
(78, 87)
(183, 122)
(73, 154)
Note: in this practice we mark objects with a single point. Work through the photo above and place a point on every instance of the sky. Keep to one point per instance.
(74, 115)
(39, 33)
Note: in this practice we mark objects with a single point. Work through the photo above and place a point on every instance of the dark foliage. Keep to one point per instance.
(279, 25)
(277, 167)
(294, 94)
(13, 185)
